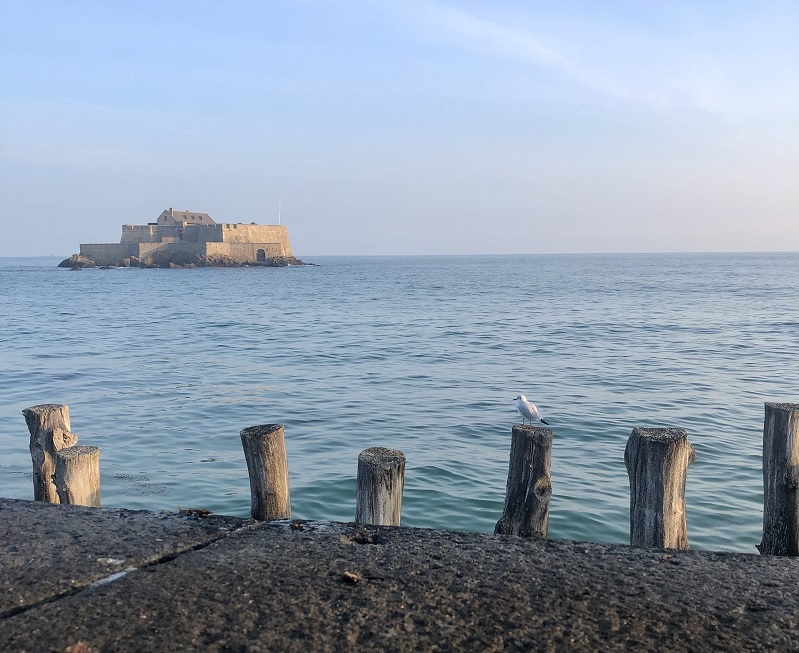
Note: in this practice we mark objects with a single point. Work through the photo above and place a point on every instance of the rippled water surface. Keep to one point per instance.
(162, 368)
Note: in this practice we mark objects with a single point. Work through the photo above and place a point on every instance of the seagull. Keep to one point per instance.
(528, 410)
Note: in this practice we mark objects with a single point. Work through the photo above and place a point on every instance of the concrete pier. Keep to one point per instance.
(120, 580)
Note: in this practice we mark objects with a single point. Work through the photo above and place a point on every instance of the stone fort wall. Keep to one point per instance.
(241, 242)
(113, 254)
(107, 254)
(217, 233)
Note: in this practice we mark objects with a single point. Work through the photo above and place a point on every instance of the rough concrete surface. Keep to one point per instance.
(47, 550)
(310, 586)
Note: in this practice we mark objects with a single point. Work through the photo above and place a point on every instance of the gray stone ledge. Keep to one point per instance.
(226, 584)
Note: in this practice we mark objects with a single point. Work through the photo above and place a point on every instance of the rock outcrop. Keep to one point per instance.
(77, 261)
(174, 260)
(282, 261)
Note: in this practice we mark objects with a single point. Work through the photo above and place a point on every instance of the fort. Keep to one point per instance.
(190, 237)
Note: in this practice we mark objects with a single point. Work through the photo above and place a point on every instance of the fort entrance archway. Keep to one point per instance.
(260, 255)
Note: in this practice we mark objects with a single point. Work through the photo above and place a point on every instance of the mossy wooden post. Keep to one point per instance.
(381, 480)
(529, 487)
(780, 480)
(265, 451)
(49, 430)
(657, 463)
(77, 476)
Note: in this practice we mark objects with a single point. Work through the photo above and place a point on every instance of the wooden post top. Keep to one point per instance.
(781, 406)
(537, 433)
(661, 435)
(381, 457)
(531, 427)
(260, 431)
(42, 408)
(77, 451)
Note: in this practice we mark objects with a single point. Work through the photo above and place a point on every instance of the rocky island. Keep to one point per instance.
(190, 239)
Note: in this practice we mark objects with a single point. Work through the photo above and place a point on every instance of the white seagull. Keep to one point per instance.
(528, 410)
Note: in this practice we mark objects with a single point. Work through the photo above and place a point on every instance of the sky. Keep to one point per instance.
(404, 126)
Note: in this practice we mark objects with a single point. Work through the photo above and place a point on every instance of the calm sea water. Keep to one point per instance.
(162, 368)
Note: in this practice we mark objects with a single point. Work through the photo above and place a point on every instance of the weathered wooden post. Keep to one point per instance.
(780, 480)
(265, 451)
(49, 428)
(381, 480)
(77, 476)
(529, 487)
(657, 463)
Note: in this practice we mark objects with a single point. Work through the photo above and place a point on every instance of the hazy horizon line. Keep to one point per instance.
(492, 254)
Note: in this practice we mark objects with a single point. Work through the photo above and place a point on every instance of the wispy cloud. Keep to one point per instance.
(491, 39)
(679, 66)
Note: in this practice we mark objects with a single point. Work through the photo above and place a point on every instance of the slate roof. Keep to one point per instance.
(192, 217)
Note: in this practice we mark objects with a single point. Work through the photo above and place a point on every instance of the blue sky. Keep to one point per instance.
(405, 127)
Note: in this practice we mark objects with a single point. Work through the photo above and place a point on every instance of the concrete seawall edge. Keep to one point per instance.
(134, 580)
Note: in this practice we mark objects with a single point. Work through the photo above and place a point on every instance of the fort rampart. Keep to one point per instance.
(183, 235)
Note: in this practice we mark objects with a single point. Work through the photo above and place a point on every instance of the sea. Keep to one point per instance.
(162, 369)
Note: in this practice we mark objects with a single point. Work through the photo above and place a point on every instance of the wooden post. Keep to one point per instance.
(49, 428)
(77, 476)
(780, 480)
(265, 451)
(657, 463)
(381, 479)
(529, 485)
